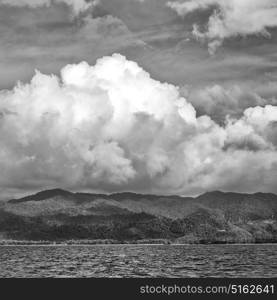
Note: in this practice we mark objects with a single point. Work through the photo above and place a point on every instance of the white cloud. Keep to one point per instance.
(230, 18)
(112, 127)
(78, 6)
(218, 101)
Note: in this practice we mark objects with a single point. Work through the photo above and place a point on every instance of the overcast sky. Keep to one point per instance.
(153, 96)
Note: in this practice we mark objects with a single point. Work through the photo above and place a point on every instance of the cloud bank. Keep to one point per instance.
(112, 127)
(230, 18)
(77, 6)
(218, 102)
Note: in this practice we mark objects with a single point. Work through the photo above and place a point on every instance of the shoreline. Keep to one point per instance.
(118, 243)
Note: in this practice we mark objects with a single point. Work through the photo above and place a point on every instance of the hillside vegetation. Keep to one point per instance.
(216, 217)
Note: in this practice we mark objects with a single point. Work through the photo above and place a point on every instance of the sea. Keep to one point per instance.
(126, 261)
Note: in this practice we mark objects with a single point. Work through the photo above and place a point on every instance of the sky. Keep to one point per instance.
(149, 96)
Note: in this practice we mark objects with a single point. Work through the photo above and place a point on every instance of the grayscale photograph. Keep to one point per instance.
(138, 139)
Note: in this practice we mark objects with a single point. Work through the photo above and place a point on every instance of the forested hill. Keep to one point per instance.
(214, 217)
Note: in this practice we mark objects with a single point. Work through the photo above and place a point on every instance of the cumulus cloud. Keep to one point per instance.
(112, 127)
(78, 6)
(230, 18)
(219, 102)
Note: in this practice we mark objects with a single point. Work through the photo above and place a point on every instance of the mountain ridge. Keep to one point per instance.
(213, 217)
(58, 191)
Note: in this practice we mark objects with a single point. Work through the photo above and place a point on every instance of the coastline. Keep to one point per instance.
(114, 243)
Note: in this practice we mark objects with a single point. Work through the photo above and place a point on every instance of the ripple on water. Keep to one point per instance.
(139, 261)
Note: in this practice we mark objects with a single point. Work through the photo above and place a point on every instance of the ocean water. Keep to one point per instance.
(139, 261)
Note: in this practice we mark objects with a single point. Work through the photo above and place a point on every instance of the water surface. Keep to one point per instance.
(139, 261)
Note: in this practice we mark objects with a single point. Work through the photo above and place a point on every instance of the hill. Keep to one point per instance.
(214, 217)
